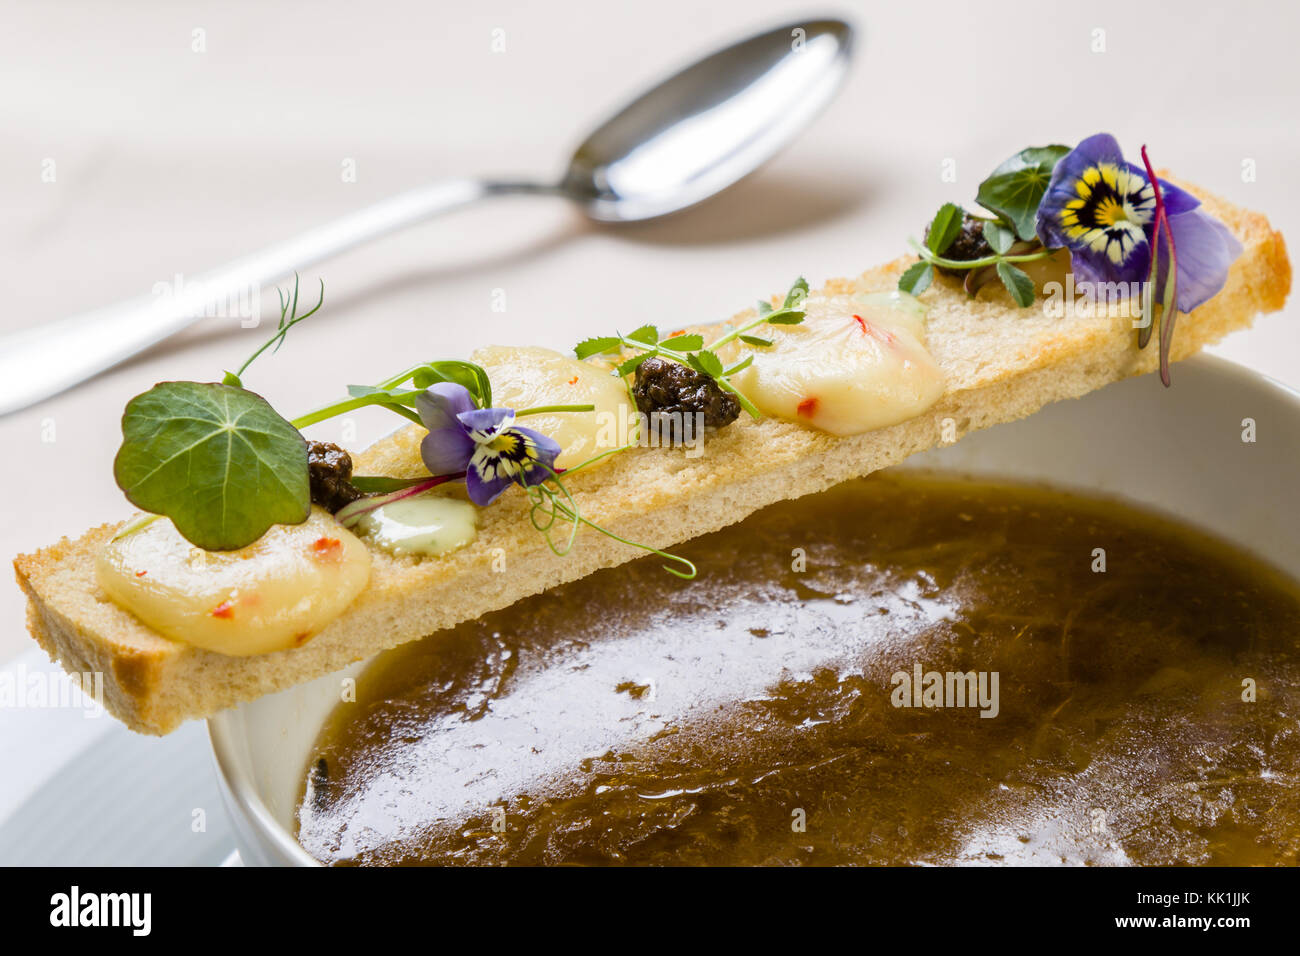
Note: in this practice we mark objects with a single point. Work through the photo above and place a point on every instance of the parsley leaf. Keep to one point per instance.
(690, 350)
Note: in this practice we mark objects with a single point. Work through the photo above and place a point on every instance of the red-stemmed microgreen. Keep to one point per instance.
(289, 317)
(351, 514)
(1169, 304)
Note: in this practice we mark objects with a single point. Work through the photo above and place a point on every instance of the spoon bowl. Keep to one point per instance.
(711, 124)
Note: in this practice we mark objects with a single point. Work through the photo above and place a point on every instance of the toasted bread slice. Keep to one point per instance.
(1000, 363)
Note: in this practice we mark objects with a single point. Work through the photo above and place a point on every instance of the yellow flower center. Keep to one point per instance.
(505, 444)
(1110, 210)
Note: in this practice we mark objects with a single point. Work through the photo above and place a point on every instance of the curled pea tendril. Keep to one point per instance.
(550, 505)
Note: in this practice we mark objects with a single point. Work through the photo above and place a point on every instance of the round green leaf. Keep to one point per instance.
(1015, 188)
(217, 460)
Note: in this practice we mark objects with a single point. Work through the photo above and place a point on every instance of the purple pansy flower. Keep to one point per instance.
(1103, 210)
(484, 443)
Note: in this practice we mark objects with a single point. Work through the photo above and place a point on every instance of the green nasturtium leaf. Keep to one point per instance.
(1018, 284)
(217, 460)
(1015, 188)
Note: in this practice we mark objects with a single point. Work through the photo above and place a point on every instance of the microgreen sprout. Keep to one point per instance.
(552, 502)
(1012, 192)
(1169, 303)
(690, 349)
(289, 317)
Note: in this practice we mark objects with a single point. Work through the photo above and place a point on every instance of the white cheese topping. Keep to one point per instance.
(274, 594)
(856, 363)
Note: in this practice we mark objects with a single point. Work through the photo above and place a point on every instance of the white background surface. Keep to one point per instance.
(170, 161)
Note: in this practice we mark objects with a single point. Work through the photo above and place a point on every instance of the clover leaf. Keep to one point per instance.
(216, 459)
(944, 228)
(917, 278)
(999, 237)
(1017, 283)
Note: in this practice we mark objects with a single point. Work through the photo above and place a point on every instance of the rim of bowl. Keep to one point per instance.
(244, 797)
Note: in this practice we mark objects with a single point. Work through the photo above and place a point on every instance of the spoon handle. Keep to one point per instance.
(42, 361)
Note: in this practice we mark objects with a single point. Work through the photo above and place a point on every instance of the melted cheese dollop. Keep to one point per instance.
(274, 594)
(856, 363)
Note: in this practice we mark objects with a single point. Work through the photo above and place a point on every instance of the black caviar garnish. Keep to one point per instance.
(668, 388)
(330, 469)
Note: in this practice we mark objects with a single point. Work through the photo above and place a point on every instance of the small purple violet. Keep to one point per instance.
(484, 443)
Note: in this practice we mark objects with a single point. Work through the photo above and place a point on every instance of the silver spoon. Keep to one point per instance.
(692, 136)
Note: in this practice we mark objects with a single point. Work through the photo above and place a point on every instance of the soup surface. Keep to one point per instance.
(1087, 683)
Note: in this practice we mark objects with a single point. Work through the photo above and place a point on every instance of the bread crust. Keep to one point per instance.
(1000, 364)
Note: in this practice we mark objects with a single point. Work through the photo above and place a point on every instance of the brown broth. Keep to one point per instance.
(633, 718)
